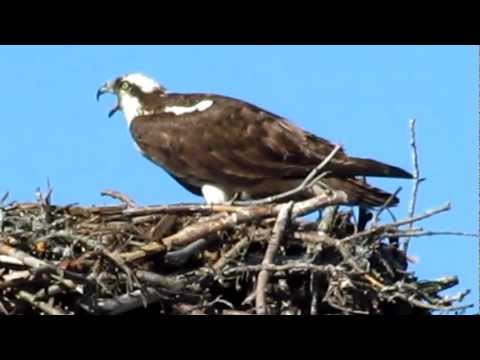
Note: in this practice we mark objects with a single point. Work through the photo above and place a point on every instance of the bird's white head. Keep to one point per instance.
(143, 82)
(131, 90)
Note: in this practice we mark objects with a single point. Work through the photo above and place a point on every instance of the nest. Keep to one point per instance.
(210, 259)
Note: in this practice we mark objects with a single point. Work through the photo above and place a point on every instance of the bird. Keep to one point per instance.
(222, 148)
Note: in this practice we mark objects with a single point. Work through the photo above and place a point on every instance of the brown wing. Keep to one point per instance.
(236, 143)
(310, 150)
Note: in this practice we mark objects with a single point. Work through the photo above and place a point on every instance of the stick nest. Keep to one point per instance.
(200, 259)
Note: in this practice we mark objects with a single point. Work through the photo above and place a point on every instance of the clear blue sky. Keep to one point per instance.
(359, 96)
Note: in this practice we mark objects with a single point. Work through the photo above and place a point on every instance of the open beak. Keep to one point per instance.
(108, 88)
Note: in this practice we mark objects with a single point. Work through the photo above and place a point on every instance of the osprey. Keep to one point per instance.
(224, 148)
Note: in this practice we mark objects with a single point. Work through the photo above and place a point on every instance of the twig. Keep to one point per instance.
(48, 292)
(458, 297)
(293, 266)
(70, 237)
(44, 201)
(307, 182)
(4, 197)
(381, 228)
(136, 299)
(119, 196)
(120, 263)
(2, 219)
(314, 289)
(328, 218)
(207, 305)
(234, 312)
(162, 227)
(4, 259)
(231, 254)
(22, 256)
(43, 306)
(408, 233)
(154, 279)
(242, 215)
(181, 257)
(416, 177)
(385, 206)
(128, 302)
(424, 305)
(273, 245)
(3, 310)
(188, 309)
(179, 209)
(308, 206)
(37, 264)
(315, 237)
(346, 310)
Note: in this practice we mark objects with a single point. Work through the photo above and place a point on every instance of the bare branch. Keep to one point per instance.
(409, 234)
(231, 254)
(4, 197)
(379, 229)
(128, 302)
(385, 206)
(273, 245)
(294, 266)
(43, 306)
(242, 215)
(416, 177)
(119, 196)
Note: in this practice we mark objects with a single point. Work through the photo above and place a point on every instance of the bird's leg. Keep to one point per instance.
(364, 216)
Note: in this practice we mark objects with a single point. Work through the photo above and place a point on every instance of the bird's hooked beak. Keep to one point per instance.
(108, 88)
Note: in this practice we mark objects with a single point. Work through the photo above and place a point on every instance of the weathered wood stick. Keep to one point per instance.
(242, 215)
(273, 245)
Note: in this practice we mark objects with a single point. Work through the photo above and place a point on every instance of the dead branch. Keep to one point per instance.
(379, 229)
(294, 266)
(43, 306)
(416, 177)
(385, 206)
(273, 245)
(119, 196)
(164, 281)
(21, 256)
(128, 302)
(231, 254)
(242, 215)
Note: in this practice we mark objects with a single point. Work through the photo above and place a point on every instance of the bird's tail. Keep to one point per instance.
(358, 192)
(368, 167)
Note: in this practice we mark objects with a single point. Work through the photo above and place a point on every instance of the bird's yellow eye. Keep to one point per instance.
(125, 85)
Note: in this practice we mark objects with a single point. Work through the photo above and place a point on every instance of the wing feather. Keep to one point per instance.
(238, 144)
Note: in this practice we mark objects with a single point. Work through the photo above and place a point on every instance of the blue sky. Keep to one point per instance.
(359, 96)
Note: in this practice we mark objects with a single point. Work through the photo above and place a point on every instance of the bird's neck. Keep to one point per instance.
(133, 106)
